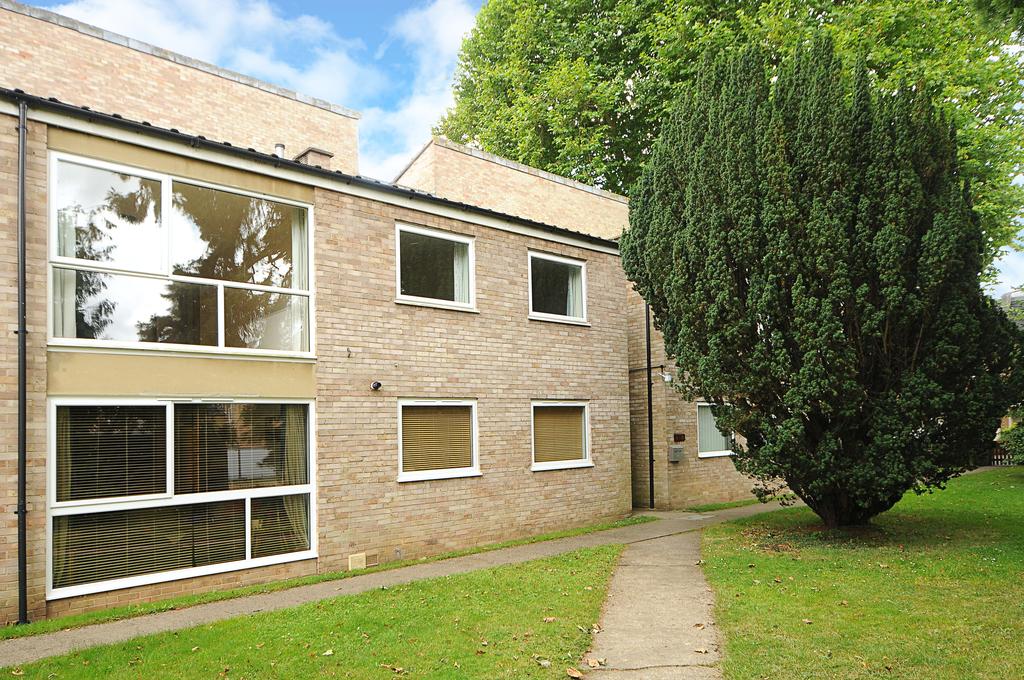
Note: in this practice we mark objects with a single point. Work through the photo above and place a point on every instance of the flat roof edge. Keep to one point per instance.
(159, 52)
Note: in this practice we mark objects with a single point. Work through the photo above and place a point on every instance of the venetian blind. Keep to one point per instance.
(558, 433)
(436, 438)
(280, 524)
(109, 545)
(110, 451)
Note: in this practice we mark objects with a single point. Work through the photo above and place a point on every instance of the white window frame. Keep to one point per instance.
(166, 180)
(709, 454)
(447, 473)
(55, 509)
(418, 301)
(584, 462)
(557, 318)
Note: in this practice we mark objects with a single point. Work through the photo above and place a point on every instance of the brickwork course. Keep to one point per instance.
(494, 354)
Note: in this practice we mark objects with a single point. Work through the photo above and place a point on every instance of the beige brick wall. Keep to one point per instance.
(496, 356)
(693, 480)
(36, 323)
(471, 176)
(50, 60)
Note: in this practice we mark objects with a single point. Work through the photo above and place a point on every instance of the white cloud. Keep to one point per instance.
(305, 53)
(249, 36)
(433, 34)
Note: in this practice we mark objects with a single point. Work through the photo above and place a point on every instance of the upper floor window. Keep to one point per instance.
(558, 288)
(142, 257)
(434, 267)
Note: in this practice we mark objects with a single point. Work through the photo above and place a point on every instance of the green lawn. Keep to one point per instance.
(131, 611)
(934, 589)
(529, 620)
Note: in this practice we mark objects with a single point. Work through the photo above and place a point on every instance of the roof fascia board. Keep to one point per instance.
(323, 179)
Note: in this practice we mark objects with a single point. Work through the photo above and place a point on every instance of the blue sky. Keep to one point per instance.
(391, 60)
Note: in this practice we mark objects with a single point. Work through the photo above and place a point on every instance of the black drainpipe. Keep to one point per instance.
(650, 408)
(22, 511)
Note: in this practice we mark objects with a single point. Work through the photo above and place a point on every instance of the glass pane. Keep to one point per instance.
(109, 217)
(261, 320)
(436, 438)
(110, 451)
(218, 447)
(709, 438)
(221, 235)
(558, 433)
(280, 525)
(98, 306)
(434, 268)
(557, 287)
(110, 545)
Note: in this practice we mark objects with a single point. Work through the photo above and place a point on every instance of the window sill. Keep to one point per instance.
(558, 319)
(438, 474)
(152, 348)
(561, 465)
(437, 304)
(714, 454)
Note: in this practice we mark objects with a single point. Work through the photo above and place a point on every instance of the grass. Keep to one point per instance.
(933, 589)
(712, 507)
(531, 620)
(184, 601)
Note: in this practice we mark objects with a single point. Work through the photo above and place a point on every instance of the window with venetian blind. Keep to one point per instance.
(437, 440)
(560, 435)
(133, 504)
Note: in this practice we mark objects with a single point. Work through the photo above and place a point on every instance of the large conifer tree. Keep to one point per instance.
(807, 244)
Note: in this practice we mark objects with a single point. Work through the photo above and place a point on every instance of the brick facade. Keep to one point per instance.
(473, 176)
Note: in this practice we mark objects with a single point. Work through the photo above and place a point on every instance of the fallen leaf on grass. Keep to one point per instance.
(549, 619)
(573, 673)
(329, 652)
(807, 621)
(17, 671)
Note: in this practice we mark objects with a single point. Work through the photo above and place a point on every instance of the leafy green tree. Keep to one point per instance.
(580, 87)
(807, 244)
(1013, 441)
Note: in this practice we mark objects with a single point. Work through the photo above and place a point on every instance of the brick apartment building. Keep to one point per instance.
(244, 362)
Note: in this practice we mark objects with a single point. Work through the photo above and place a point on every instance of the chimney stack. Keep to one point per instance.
(317, 157)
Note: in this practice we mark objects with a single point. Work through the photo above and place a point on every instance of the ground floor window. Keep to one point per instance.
(437, 439)
(561, 437)
(711, 441)
(151, 490)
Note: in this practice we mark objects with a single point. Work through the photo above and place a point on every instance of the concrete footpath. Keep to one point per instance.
(657, 622)
(655, 593)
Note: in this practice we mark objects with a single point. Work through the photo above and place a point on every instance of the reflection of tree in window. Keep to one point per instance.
(90, 232)
(226, 236)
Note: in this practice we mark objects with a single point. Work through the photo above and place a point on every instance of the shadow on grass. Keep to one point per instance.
(919, 522)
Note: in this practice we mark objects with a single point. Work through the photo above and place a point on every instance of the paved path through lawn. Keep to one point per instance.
(679, 529)
(657, 622)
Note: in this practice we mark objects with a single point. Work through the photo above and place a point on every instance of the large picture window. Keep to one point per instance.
(142, 257)
(434, 268)
(147, 491)
(558, 289)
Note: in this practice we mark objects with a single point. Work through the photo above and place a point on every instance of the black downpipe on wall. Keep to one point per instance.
(650, 408)
(22, 510)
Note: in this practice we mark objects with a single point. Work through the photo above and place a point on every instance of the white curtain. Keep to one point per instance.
(460, 262)
(574, 296)
(298, 304)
